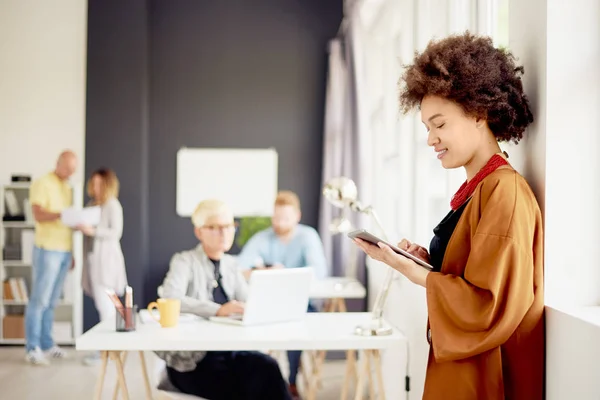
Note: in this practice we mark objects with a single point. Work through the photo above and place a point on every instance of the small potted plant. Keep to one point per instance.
(248, 226)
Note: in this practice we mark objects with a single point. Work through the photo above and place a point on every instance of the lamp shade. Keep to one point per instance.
(340, 191)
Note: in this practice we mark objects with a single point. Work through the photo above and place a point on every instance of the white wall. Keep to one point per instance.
(42, 97)
(559, 45)
(559, 157)
(572, 354)
(572, 162)
(42, 84)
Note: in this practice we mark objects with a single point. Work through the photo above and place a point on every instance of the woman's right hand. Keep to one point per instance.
(414, 249)
(232, 307)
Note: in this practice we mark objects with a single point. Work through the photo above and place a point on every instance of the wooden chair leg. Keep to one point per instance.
(100, 382)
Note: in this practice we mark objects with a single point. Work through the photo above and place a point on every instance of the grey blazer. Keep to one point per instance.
(190, 279)
(103, 261)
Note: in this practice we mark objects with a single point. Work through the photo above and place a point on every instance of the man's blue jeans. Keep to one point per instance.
(294, 356)
(49, 272)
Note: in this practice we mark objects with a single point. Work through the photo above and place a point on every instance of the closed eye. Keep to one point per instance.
(441, 126)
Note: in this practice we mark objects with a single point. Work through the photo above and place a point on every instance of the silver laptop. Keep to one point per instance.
(279, 295)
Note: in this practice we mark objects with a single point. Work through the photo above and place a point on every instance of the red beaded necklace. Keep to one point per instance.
(466, 189)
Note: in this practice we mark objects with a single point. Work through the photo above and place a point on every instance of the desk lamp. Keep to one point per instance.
(341, 192)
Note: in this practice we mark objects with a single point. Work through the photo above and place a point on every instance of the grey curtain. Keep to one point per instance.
(343, 151)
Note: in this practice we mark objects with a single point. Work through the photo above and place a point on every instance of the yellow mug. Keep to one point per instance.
(168, 309)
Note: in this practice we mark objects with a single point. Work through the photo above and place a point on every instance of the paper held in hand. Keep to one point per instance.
(87, 216)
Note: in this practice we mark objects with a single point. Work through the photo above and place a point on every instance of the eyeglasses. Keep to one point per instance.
(214, 229)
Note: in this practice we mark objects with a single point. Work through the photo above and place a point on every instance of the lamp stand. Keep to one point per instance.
(377, 326)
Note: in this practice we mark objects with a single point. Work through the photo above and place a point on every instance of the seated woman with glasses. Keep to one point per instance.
(208, 283)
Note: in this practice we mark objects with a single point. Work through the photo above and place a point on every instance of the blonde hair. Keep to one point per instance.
(209, 208)
(287, 198)
(110, 185)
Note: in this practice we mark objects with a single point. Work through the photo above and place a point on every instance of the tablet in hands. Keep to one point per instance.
(369, 237)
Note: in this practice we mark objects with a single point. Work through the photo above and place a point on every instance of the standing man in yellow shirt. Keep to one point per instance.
(52, 258)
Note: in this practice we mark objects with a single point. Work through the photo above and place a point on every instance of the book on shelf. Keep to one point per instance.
(15, 289)
(12, 205)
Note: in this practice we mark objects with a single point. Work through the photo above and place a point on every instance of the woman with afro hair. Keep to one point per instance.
(485, 292)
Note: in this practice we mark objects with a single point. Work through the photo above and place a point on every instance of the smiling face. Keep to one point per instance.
(455, 136)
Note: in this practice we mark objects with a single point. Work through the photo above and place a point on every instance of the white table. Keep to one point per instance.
(337, 287)
(335, 290)
(318, 331)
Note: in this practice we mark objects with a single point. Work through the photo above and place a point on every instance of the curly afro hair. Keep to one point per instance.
(471, 72)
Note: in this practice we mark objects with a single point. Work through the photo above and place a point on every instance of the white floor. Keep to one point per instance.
(70, 379)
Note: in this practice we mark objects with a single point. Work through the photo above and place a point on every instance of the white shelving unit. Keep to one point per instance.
(16, 243)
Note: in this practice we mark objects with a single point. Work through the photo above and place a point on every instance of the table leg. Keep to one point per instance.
(120, 374)
(304, 371)
(329, 305)
(370, 357)
(377, 360)
(100, 381)
(319, 361)
(341, 305)
(314, 382)
(123, 356)
(146, 379)
(349, 374)
(312, 388)
(361, 376)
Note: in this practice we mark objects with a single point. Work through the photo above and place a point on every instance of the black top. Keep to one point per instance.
(441, 237)
(219, 295)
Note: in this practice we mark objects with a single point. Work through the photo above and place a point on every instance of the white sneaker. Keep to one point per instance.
(36, 357)
(55, 352)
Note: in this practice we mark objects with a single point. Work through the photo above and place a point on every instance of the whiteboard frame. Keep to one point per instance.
(182, 206)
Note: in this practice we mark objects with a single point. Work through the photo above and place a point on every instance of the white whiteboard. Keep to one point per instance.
(246, 179)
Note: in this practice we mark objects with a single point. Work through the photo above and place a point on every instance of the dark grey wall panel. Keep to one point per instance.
(117, 122)
(201, 73)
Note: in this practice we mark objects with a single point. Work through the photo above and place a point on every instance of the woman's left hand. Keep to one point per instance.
(87, 229)
(407, 267)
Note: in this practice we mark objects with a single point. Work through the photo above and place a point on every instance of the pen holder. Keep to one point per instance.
(126, 319)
